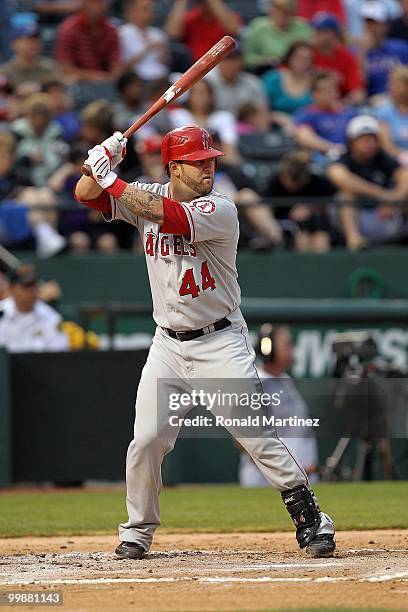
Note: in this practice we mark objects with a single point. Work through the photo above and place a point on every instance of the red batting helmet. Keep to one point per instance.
(188, 143)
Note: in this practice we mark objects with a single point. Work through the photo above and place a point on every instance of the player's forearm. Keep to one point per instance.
(87, 189)
(142, 203)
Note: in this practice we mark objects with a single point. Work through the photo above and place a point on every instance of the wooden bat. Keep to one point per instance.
(187, 80)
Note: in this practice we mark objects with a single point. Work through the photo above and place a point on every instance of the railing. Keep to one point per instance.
(257, 310)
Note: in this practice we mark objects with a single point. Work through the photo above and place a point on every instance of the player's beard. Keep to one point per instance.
(196, 186)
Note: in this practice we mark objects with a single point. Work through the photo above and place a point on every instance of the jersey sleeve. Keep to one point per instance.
(211, 218)
(121, 213)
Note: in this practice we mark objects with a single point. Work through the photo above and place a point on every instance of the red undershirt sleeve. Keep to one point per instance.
(175, 218)
(101, 203)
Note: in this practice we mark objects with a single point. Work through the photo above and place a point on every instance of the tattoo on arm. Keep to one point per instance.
(143, 204)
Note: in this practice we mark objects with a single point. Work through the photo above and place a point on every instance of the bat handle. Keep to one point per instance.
(86, 170)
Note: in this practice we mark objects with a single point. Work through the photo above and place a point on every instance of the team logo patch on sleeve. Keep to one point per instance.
(207, 207)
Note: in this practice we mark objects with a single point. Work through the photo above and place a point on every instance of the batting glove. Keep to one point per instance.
(115, 147)
(99, 162)
(108, 180)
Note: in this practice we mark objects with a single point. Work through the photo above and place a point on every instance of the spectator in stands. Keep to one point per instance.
(334, 57)
(366, 172)
(26, 63)
(48, 291)
(308, 224)
(254, 119)
(87, 45)
(131, 105)
(39, 140)
(107, 244)
(144, 49)
(98, 123)
(268, 38)
(379, 53)
(276, 350)
(160, 123)
(8, 103)
(309, 8)
(202, 26)
(21, 215)
(27, 324)
(149, 150)
(63, 181)
(234, 87)
(134, 101)
(79, 243)
(322, 126)
(200, 110)
(355, 21)
(393, 116)
(288, 88)
(62, 105)
(258, 227)
(399, 25)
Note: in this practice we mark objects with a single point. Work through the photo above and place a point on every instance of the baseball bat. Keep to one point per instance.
(8, 259)
(197, 71)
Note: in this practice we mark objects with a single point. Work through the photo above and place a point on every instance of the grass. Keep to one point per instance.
(377, 505)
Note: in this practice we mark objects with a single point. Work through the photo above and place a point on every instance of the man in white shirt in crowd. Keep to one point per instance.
(233, 86)
(144, 49)
(28, 324)
(275, 348)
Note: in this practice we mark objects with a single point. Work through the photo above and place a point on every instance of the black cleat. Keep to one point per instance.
(130, 550)
(321, 546)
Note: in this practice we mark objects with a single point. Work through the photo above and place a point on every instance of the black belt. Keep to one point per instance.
(197, 333)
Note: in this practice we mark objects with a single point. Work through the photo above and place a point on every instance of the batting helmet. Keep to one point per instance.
(188, 143)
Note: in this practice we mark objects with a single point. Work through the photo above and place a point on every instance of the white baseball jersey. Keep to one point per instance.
(193, 282)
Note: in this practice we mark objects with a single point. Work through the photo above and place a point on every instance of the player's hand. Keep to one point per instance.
(99, 163)
(115, 147)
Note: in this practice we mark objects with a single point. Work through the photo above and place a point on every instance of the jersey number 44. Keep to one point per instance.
(189, 285)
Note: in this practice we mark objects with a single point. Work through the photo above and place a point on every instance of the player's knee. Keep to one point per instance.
(142, 444)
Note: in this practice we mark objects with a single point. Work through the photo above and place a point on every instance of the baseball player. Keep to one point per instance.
(190, 235)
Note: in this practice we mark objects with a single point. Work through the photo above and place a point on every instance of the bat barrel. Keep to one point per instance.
(209, 60)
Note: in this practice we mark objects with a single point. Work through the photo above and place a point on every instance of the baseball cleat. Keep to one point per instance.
(321, 546)
(130, 550)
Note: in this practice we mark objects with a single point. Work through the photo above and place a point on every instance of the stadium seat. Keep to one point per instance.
(269, 146)
(261, 171)
(86, 92)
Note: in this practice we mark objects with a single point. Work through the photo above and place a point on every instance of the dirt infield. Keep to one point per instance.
(212, 572)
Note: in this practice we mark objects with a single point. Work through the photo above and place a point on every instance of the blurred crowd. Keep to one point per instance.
(311, 111)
